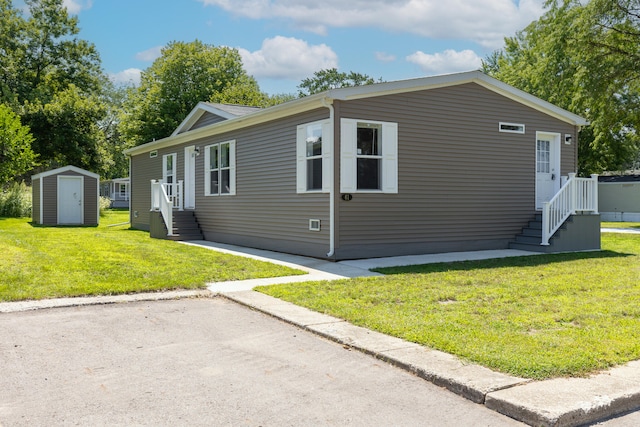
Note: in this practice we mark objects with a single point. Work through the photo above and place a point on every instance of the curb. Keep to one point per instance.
(18, 306)
(560, 402)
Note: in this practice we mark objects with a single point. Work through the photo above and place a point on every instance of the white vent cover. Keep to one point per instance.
(314, 225)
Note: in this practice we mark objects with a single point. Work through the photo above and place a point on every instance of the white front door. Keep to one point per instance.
(190, 177)
(70, 200)
(547, 167)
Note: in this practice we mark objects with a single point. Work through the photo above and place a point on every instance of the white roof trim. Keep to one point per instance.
(197, 112)
(358, 92)
(65, 169)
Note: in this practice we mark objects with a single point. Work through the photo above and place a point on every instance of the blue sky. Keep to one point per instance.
(285, 41)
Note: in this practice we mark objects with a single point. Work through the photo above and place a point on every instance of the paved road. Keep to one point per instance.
(203, 362)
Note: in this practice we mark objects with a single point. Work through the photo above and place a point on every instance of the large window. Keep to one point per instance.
(369, 160)
(220, 165)
(314, 166)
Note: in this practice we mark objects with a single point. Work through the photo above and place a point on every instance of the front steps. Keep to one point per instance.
(185, 226)
(578, 233)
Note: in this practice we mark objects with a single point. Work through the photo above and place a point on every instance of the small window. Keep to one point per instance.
(511, 127)
(369, 156)
(314, 164)
(153, 153)
(220, 169)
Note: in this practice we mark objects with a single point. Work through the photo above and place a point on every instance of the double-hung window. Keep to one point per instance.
(368, 156)
(314, 163)
(220, 169)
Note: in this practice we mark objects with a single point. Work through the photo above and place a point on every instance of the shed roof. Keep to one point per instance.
(326, 98)
(65, 169)
(619, 178)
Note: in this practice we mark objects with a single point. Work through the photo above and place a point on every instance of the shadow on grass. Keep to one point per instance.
(522, 261)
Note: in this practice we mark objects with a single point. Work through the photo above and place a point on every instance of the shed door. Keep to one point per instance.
(70, 200)
(547, 167)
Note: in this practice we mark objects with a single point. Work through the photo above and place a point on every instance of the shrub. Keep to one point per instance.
(15, 201)
(105, 203)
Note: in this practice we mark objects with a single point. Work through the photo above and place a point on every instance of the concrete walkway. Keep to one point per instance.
(555, 402)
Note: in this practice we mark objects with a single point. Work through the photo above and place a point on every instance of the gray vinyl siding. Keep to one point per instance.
(462, 185)
(50, 199)
(266, 212)
(206, 120)
(142, 170)
(35, 201)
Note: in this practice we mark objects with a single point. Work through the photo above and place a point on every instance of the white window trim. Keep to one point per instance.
(301, 157)
(520, 127)
(232, 168)
(348, 156)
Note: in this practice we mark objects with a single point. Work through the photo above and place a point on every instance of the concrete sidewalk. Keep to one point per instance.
(556, 402)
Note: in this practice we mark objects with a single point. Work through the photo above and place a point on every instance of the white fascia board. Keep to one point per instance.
(434, 82)
(66, 169)
(197, 112)
(301, 105)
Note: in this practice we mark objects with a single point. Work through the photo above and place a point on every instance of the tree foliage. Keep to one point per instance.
(583, 57)
(331, 78)
(53, 80)
(185, 74)
(16, 154)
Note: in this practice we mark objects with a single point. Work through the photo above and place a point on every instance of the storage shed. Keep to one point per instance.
(66, 196)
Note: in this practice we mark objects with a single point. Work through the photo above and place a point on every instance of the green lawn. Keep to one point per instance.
(537, 317)
(45, 262)
(620, 225)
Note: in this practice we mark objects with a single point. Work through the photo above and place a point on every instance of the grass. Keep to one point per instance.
(47, 262)
(635, 225)
(537, 317)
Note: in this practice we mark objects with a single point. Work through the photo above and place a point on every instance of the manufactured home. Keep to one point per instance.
(457, 162)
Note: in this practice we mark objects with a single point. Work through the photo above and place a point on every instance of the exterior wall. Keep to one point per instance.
(35, 201)
(266, 212)
(619, 201)
(462, 184)
(50, 198)
(206, 120)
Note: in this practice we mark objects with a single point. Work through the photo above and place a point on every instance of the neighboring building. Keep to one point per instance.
(116, 190)
(619, 198)
(438, 164)
(65, 196)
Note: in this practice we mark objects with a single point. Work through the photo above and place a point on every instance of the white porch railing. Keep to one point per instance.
(165, 198)
(577, 194)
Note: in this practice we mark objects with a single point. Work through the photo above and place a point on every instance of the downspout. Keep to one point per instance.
(332, 206)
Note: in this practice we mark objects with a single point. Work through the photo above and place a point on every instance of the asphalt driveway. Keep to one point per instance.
(203, 362)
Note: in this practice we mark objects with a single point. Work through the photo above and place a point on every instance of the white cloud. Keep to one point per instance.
(486, 22)
(385, 57)
(75, 6)
(449, 61)
(150, 54)
(128, 76)
(287, 58)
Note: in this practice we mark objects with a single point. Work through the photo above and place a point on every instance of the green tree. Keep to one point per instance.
(46, 73)
(185, 74)
(68, 130)
(331, 78)
(16, 154)
(583, 58)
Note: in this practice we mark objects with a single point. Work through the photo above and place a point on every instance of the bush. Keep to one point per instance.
(15, 201)
(105, 203)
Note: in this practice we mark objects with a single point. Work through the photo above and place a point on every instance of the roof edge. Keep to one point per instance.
(65, 169)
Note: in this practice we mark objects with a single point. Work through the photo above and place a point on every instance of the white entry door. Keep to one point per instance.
(70, 200)
(547, 167)
(190, 177)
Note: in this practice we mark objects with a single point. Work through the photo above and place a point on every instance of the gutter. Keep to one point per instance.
(327, 102)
